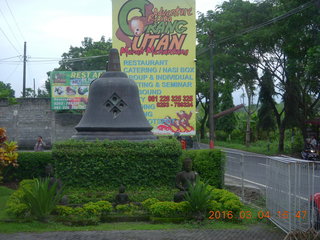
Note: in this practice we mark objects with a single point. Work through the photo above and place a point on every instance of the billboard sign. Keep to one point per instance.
(69, 89)
(156, 40)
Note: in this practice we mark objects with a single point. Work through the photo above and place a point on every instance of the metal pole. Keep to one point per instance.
(211, 120)
(34, 88)
(242, 177)
(289, 192)
(24, 69)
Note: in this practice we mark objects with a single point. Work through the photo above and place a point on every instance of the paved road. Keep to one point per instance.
(254, 233)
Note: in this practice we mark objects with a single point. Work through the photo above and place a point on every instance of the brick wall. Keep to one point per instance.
(32, 117)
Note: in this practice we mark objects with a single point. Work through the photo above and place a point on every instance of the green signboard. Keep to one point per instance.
(69, 89)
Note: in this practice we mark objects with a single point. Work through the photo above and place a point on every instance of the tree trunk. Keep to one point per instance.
(281, 138)
(248, 130)
(202, 125)
(248, 118)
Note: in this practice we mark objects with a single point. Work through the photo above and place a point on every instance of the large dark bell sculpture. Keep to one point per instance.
(114, 110)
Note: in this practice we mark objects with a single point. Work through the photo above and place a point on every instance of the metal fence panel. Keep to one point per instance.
(289, 185)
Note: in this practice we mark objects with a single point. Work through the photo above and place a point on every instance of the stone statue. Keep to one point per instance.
(122, 197)
(184, 179)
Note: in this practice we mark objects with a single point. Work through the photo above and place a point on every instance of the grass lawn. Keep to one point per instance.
(34, 226)
(4, 194)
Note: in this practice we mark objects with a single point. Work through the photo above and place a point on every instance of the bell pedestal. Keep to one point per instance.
(114, 135)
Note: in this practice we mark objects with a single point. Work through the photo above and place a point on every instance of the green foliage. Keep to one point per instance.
(237, 136)
(198, 196)
(209, 164)
(136, 194)
(169, 209)
(265, 112)
(127, 209)
(89, 214)
(88, 49)
(15, 206)
(6, 90)
(98, 209)
(112, 163)
(41, 198)
(31, 165)
(146, 204)
(224, 200)
(221, 135)
(228, 122)
(298, 143)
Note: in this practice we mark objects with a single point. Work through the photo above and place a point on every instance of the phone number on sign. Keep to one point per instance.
(172, 101)
(249, 215)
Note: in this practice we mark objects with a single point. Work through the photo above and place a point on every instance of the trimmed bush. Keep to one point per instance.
(209, 164)
(223, 200)
(112, 163)
(169, 209)
(31, 165)
(127, 209)
(146, 204)
(136, 194)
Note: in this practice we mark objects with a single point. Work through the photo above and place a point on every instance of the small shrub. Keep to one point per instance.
(169, 209)
(146, 204)
(127, 209)
(224, 200)
(97, 208)
(15, 207)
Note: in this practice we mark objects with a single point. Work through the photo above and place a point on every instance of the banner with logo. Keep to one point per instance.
(156, 40)
(69, 89)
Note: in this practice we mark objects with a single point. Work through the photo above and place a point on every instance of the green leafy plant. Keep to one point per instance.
(31, 165)
(127, 209)
(146, 204)
(15, 207)
(199, 197)
(42, 198)
(169, 209)
(8, 153)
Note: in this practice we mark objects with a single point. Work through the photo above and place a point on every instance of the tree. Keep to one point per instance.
(266, 117)
(226, 123)
(29, 93)
(90, 56)
(6, 91)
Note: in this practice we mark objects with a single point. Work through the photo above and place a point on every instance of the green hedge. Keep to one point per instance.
(111, 163)
(31, 165)
(209, 164)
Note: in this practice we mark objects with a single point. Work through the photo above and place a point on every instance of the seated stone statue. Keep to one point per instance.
(184, 179)
(122, 197)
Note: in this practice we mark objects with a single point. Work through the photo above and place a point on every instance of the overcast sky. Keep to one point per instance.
(50, 27)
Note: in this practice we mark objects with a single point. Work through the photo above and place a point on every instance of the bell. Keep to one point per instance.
(114, 110)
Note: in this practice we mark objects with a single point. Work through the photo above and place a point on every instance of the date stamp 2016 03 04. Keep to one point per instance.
(260, 214)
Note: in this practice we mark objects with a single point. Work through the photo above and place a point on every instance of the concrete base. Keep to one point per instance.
(115, 135)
